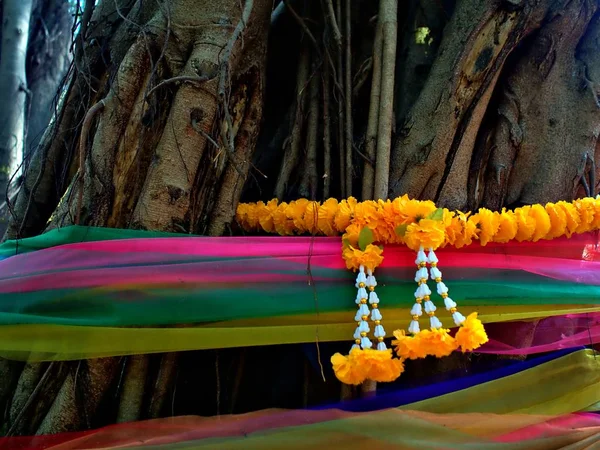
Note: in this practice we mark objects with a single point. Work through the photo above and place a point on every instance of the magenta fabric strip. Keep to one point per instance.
(157, 261)
(545, 335)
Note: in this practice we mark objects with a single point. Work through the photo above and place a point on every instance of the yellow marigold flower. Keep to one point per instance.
(468, 229)
(352, 233)
(586, 207)
(408, 347)
(542, 222)
(345, 213)
(415, 210)
(398, 209)
(471, 335)
(427, 233)
(283, 225)
(452, 227)
(347, 370)
(327, 212)
(311, 217)
(596, 223)
(379, 365)
(295, 211)
(525, 223)
(558, 220)
(241, 215)
(437, 342)
(507, 229)
(385, 228)
(253, 216)
(370, 258)
(572, 217)
(265, 216)
(488, 223)
(366, 214)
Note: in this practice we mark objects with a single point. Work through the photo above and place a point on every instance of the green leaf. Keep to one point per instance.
(365, 238)
(346, 242)
(401, 230)
(438, 215)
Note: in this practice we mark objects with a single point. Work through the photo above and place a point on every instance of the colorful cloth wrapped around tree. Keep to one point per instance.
(82, 292)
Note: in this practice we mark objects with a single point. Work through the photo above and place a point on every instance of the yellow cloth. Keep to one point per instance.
(62, 342)
(564, 385)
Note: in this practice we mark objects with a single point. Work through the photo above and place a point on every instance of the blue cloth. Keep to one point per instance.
(393, 398)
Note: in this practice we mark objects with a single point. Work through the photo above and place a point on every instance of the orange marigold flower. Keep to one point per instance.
(572, 216)
(241, 215)
(542, 222)
(284, 226)
(558, 220)
(345, 213)
(507, 229)
(471, 335)
(596, 223)
(385, 227)
(265, 216)
(488, 224)
(427, 233)
(366, 214)
(437, 342)
(311, 217)
(295, 211)
(586, 207)
(370, 257)
(408, 347)
(327, 212)
(253, 217)
(469, 230)
(347, 370)
(398, 210)
(525, 223)
(415, 210)
(351, 234)
(379, 365)
(452, 227)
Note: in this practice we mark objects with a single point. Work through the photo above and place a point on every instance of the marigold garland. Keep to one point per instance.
(391, 220)
(421, 226)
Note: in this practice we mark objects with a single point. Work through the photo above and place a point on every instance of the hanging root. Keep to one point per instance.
(368, 184)
(290, 158)
(132, 393)
(238, 167)
(340, 103)
(9, 375)
(326, 133)
(36, 390)
(309, 184)
(389, 31)
(85, 131)
(337, 35)
(80, 395)
(163, 385)
(348, 132)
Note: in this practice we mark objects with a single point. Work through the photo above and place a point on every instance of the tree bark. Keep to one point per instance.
(172, 102)
(13, 88)
(431, 157)
(547, 116)
(149, 158)
(48, 60)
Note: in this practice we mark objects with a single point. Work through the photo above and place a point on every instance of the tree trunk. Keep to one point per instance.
(48, 60)
(172, 112)
(13, 87)
(158, 128)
